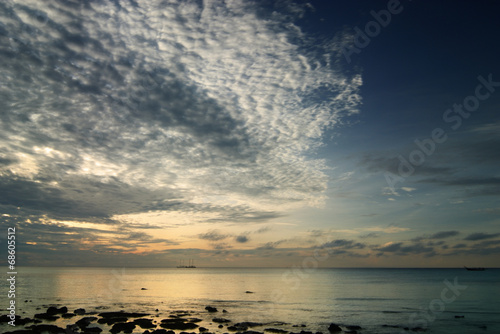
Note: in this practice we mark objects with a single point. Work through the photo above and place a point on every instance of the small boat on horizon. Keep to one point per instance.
(190, 265)
(475, 269)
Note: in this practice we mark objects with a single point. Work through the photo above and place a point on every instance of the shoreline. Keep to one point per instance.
(57, 319)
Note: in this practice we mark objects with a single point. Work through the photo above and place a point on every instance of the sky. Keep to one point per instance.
(250, 133)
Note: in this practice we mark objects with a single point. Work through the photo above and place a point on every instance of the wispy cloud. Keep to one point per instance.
(481, 236)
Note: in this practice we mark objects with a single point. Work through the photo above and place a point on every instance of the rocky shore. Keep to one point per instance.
(59, 320)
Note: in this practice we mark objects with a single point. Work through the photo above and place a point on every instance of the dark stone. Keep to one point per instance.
(126, 327)
(275, 330)
(194, 320)
(249, 324)
(220, 320)
(79, 311)
(249, 332)
(202, 329)
(161, 331)
(111, 321)
(122, 314)
(68, 315)
(178, 325)
(143, 289)
(18, 320)
(334, 328)
(220, 326)
(211, 309)
(6, 318)
(72, 329)
(305, 332)
(248, 291)
(92, 330)
(46, 316)
(84, 322)
(459, 316)
(47, 328)
(224, 311)
(54, 310)
(353, 327)
(20, 331)
(144, 323)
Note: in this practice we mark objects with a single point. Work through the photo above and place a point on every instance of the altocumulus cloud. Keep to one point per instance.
(111, 108)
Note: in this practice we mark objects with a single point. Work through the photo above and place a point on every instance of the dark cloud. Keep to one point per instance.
(344, 244)
(400, 249)
(444, 234)
(271, 245)
(481, 236)
(437, 235)
(242, 239)
(212, 236)
(370, 235)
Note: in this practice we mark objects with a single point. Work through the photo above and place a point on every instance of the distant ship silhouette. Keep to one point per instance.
(474, 269)
(190, 265)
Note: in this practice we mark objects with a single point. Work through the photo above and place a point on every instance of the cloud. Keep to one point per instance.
(344, 244)
(444, 234)
(212, 236)
(182, 106)
(370, 235)
(242, 239)
(481, 236)
(400, 249)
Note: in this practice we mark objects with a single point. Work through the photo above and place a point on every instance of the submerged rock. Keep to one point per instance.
(275, 330)
(354, 327)
(54, 310)
(334, 328)
(52, 329)
(122, 314)
(126, 327)
(144, 323)
(160, 331)
(79, 311)
(46, 316)
(84, 322)
(111, 321)
(220, 320)
(179, 324)
(211, 309)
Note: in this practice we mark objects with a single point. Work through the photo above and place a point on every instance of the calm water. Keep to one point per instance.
(370, 298)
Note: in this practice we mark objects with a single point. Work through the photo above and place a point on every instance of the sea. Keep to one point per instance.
(291, 299)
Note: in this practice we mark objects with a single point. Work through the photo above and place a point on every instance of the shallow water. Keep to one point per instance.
(372, 298)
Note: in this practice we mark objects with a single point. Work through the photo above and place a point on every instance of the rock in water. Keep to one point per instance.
(79, 311)
(220, 320)
(211, 309)
(144, 323)
(47, 328)
(126, 327)
(333, 328)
